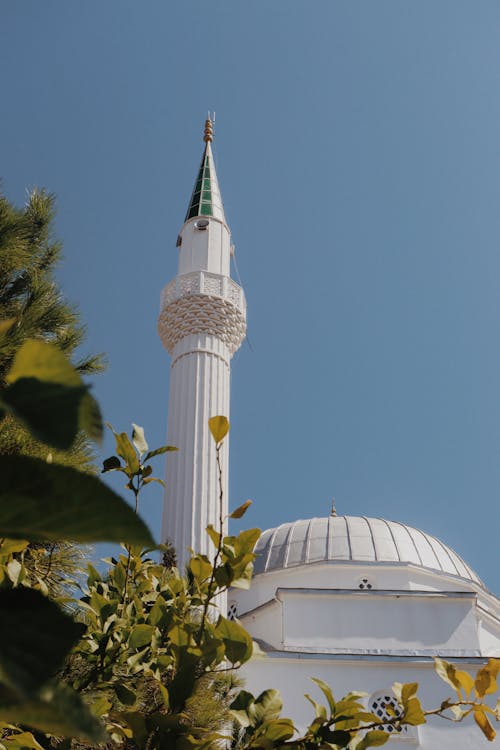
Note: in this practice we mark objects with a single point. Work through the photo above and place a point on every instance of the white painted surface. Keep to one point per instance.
(358, 539)
(313, 620)
(362, 622)
(291, 675)
(202, 322)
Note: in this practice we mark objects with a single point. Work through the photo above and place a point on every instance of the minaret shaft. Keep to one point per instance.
(199, 389)
(202, 323)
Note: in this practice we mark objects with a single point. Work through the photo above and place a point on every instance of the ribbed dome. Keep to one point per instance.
(357, 539)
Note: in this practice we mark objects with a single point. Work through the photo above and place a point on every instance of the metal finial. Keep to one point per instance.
(333, 511)
(208, 135)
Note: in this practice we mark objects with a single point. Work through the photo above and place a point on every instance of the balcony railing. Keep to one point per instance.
(204, 282)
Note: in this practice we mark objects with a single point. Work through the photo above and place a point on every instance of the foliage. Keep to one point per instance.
(33, 310)
(148, 665)
(35, 633)
(32, 307)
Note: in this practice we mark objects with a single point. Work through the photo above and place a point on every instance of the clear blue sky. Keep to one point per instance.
(358, 152)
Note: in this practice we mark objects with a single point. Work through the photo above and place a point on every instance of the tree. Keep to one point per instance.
(31, 298)
(146, 664)
(151, 640)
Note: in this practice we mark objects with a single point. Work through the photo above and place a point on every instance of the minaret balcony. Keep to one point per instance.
(202, 302)
(204, 282)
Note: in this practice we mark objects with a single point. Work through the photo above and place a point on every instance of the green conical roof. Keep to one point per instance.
(206, 198)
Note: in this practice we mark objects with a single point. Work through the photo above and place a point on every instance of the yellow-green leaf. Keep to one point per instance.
(465, 680)
(483, 723)
(327, 692)
(447, 673)
(485, 682)
(21, 740)
(201, 567)
(408, 691)
(126, 450)
(44, 361)
(214, 535)
(9, 546)
(237, 642)
(240, 512)
(35, 637)
(374, 738)
(5, 325)
(413, 712)
(219, 427)
(319, 709)
(75, 505)
(47, 394)
(141, 636)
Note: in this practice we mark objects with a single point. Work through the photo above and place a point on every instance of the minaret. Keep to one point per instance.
(202, 323)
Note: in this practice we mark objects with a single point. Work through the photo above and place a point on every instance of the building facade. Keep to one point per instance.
(358, 602)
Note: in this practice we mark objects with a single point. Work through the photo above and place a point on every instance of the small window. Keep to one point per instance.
(179, 241)
(201, 224)
(365, 584)
(232, 611)
(385, 707)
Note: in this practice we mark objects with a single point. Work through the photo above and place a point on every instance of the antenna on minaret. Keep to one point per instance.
(333, 511)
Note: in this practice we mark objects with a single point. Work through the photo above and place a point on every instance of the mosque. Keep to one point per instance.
(359, 602)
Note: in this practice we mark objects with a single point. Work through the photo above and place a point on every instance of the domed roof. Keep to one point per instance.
(356, 539)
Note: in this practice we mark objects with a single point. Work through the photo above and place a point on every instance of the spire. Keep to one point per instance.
(206, 198)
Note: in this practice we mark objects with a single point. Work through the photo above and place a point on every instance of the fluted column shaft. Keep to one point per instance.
(199, 389)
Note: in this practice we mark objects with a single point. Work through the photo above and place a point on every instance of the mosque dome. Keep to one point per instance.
(355, 539)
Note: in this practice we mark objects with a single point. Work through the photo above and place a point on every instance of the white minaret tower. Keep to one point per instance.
(202, 323)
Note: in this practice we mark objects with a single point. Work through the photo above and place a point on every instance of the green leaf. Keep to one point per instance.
(21, 740)
(413, 713)
(10, 546)
(240, 512)
(408, 690)
(139, 439)
(90, 417)
(374, 738)
(59, 711)
(44, 361)
(247, 540)
(141, 636)
(125, 449)
(154, 479)
(125, 696)
(35, 637)
(101, 706)
(279, 730)
(51, 411)
(75, 505)
(47, 393)
(111, 464)
(335, 737)
(159, 451)
(93, 575)
(200, 567)
(5, 325)
(268, 705)
(327, 692)
(237, 641)
(214, 535)
(219, 427)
